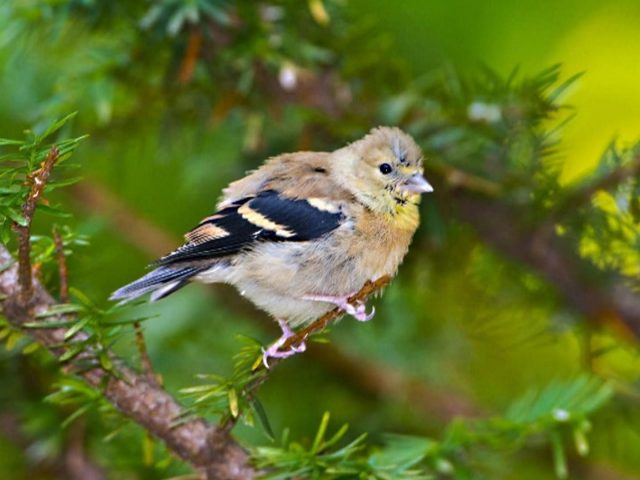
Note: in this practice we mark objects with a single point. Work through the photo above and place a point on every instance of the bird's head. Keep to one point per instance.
(384, 169)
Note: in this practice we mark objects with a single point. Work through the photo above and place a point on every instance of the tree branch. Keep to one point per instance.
(207, 448)
(191, 55)
(36, 183)
(314, 327)
(539, 248)
(324, 321)
(145, 361)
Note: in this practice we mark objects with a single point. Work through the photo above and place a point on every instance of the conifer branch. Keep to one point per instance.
(36, 182)
(145, 361)
(321, 323)
(206, 447)
(191, 55)
(316, 326)
(542, 250)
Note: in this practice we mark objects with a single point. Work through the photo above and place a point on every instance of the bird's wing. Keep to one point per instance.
(266, 217)
(282, 173)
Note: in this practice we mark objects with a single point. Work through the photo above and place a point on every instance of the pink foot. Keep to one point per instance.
(274, 350)
(358, 311)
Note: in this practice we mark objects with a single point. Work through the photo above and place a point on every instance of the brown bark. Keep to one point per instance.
(208, 448)
(36, 182)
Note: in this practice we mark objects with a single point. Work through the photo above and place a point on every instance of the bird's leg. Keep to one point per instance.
(274, 349)
(358, 311)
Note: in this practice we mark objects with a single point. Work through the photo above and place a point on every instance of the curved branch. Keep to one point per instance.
(321, 323)
(208, 448)
(316, 326)
(541, 249)
(36, 182)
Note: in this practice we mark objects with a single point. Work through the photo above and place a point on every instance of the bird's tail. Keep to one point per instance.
(160, 282)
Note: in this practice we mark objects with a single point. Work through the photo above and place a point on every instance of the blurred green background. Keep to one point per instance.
(464, 328)
(595, 37)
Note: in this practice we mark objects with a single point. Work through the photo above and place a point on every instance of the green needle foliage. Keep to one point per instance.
(19, 160)
(555, 415)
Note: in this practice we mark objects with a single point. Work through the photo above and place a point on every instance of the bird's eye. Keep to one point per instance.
(385, 168)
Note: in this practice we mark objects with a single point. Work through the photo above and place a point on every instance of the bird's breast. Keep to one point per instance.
(277, 275)
(382, 240)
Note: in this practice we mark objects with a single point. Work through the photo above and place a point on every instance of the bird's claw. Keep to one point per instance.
(357, 310)
(274, 349)
(274, 352)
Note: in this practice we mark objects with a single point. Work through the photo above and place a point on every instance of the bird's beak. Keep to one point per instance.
(417, 184)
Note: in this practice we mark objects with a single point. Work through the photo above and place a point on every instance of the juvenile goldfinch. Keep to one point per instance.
(304, 232)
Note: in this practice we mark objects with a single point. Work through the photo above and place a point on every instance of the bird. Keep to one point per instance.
(302, 233)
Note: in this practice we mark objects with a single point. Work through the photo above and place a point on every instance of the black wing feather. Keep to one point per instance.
(305, 221)
(300, 220)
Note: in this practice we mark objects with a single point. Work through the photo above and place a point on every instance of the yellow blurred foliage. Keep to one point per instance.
(607, 47)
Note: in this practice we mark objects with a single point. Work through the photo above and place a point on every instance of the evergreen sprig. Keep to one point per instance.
(555, 415)
(19, 160)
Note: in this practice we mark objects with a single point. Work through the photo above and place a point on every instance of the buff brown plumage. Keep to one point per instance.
(304, 231)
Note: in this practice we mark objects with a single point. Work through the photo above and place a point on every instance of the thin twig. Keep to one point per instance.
(316, 326)
(36, 182)
(145, 361)
(63, 272)
(320, 324)
(191, 55)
